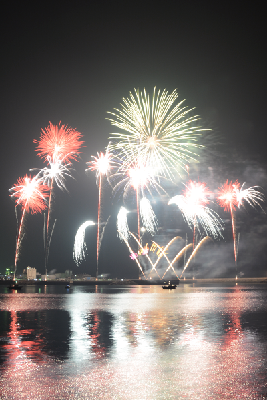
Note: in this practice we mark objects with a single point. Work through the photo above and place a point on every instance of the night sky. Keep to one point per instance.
(73, 63)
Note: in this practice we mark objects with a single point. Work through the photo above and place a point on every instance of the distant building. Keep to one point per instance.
(60, 275)
(31, 273)
(84, 277)
(51, 277)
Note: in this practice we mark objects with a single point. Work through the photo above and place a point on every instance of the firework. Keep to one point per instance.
(178, 256)
(137, 176)
(161, 133)
(143, 251)
(148, 216)
(250, 195)
(133, 255)
(59, 142)
(80, 249)
(232, 196)
(30, 195)
(196, 194)
(204, 240)
(122, 224)
(192, 205)
(57, 173)
(101, 164)
(227, 197)
(163, 251)
(140, 178)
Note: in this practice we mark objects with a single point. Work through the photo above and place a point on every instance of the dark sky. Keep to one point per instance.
(73, 63)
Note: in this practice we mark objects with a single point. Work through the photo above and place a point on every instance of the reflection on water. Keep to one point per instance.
(137, 342)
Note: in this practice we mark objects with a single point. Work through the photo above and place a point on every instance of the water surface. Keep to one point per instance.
(135, 342)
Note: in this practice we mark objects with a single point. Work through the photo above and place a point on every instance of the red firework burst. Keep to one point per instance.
(228, 195)
(59, 142)
(30, 194)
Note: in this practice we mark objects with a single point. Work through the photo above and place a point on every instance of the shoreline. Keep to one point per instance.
(127, 282)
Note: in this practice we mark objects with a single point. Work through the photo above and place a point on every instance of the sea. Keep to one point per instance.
(134, 342)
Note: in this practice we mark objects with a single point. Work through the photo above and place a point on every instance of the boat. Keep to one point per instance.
(67, 286)
(15, 286)
(169, 286)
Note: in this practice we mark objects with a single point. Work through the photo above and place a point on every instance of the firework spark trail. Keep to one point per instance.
(159, 132)
(98, 223)
(140, 177)
(204, 240)
(232, 211)
(48, 232)
(50, 238)
(58, 144)
(138, 212)
(122, 224)
(196, 196)
(227, 198)
(141, 247)
(186, 242)
(232, 196)
(31, 195)
(101, 164)
(79, 249)
(177, 257)
(148, 216)
(58, 172)
(162, 251)
(18, 241)
(252, 196)
(103, 231)
(196, 215)
(131, 252)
